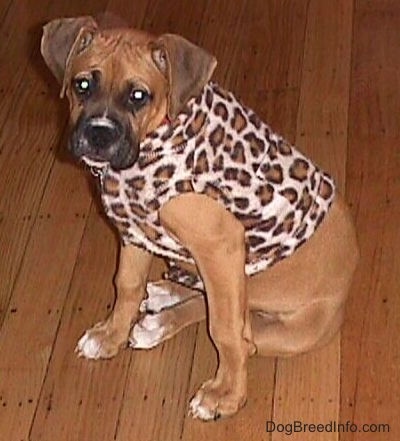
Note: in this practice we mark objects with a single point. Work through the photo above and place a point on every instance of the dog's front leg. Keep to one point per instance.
(107, 337)
(216, 241)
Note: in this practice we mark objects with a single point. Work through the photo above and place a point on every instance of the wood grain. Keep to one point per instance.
(370, 347)
(325, 75)
(30, 131)
(32, 318)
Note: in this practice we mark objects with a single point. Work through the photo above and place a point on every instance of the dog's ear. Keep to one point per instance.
(186, 66)
(62, 39)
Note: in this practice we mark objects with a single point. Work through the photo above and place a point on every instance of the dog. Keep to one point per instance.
(257, 237)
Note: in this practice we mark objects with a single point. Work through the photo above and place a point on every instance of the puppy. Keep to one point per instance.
(256, 235)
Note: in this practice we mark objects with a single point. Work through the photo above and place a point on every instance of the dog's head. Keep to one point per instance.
(121, 84)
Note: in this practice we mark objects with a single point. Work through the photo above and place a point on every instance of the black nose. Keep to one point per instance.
(102, 132)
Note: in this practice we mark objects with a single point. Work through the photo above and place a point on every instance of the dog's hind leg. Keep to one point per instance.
(292, 333)
(154, 329)
(165, 294)
(280, 334)
(307, 291)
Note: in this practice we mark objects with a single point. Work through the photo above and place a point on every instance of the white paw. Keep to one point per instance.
(88, 347)
(158, 298)
(196, 410)
(147, 333)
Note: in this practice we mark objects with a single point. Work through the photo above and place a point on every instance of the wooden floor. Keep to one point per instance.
(326, 74)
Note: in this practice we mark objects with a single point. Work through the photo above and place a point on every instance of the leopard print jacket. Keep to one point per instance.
(222, 149)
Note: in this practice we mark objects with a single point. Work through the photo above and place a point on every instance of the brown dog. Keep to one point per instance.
(265, 246)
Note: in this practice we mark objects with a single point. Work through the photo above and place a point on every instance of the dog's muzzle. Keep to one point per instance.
(104, 139)
(101, 133)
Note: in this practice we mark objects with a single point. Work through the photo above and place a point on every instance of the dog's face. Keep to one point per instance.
(117, 95)
(121, 84)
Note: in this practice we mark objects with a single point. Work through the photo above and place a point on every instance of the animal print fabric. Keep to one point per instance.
(222, 149)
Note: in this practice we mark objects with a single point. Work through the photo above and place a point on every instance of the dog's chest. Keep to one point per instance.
(221, 149)
(132, 198)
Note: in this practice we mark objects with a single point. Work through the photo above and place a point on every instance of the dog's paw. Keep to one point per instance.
(149, 332)
(99, 342)
(212, 402)
(159, 297)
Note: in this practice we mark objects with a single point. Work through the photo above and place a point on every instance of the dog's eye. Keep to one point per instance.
(138, 97)
(83, 86)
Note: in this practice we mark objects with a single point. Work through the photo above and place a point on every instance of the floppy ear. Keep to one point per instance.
(62, 39)
(186, 66)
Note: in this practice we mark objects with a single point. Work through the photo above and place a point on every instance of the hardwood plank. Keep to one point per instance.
(48, 262)
(36, 305)
(32, 121)
(80, 399)
(265, 71)
(26, 160)
(15, 47)
(323, 107)
(307, 387)
(160, 19)
(272, 89)
(16, 145)
(61, 284)
(266, 30)
(22, 49)
(155, 396)
(371, 349)
(4, 8)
